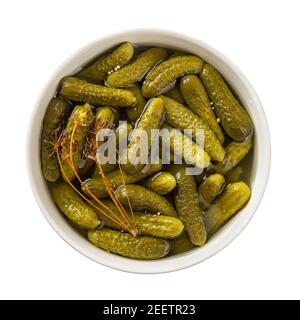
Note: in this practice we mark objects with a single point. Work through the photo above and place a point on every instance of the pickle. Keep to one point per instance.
(53, 120)
(137, 69)
(168, 71)
(135, 111)
(175, 94)
(71, 204)
(150, 119)
(161, 182)
(226, 205)
(124, 244)
(98, 70)
(97, 186)
(235, 152)
(193, 154)
(181, 117)
(187, 205)
(79, 90)
(181, 244)
(148, 224)
(234, 175)
(143, 199)
(234, 118)
(195, 96)
(106, 115)
(209, 189)
(82, 119)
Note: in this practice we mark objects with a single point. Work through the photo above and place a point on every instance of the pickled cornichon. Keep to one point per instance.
(234, 118)
(53, 122)
(109, 135)
(72, 205)
(141, 247)
(168, 71)
(196, 98)
(187, 205)
(235, 152)
(148, 224)
(181, 117)
(144, 199)
(150, 119)
(98, 70)
(226, 205)
(137, 69)
(79, 90)
(209, 189)
(161, 182)
(185, 147)
(80, 121)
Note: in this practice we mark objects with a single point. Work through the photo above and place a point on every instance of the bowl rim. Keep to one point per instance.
(228, 232)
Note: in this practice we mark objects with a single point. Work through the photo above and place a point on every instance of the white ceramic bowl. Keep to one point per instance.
(258, 177)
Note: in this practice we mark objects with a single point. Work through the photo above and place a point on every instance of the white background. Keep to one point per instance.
(261, 37)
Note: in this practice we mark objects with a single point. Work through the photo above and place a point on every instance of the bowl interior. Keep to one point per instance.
(257, 176)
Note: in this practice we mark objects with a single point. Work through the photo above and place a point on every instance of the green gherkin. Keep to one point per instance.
(137, 69)
(82, 91)
(144, 199)
(55, 115)
(168, 71)
(71, 204)
(195, 96)
(81, 119)
(182, 118)
(142, 247)
(234, 118)
(226, 205)
(187, 205)
(97, 70)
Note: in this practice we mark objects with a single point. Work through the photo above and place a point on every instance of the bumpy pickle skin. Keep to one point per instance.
(81, 91)
(135, 111)
(168, 71)
(196, 98)
(97, 186)
(150, 119)
(193, 154)
(162, 182)
(181, 244)
(107, 115)
(175, 94)
(57, 109)
(148, 224)
(182, 117)
(98, 70)
(144, 199)
(142, 247)
(187, 205)
(233, 198)
(137, 69)
(71, 204)
(82, 118)
(234, 153)
(209, 189)
(234, 118)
